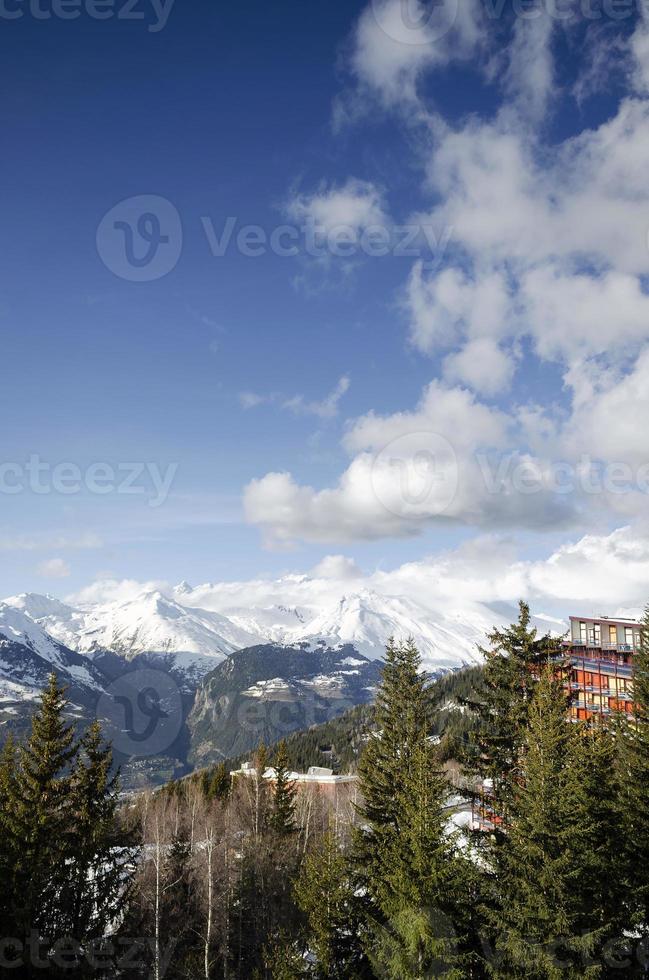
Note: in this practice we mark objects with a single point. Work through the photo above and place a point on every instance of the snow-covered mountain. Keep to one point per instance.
(281, 627)
(28, 654)
(446, 639)
(149, 623)
(178, 624)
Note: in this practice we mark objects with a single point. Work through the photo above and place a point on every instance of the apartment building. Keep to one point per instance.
(599, 654)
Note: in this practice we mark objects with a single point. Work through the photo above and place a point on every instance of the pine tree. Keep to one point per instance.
(408, 865)
(512, 664)
(179, 911)
(103, 854)
(544, 928)
(219, 783)
(634, 767)
(282, 816)
(39, 820)
(593, 784)
(7, 850)
(325, 895)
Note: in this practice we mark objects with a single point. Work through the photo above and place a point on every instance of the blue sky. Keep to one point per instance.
(276, 388)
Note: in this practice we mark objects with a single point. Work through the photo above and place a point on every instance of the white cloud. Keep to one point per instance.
(510, 203)
(107, 590)
(610, 423)
(54, 568)
(337, 567)
(327, 408)
(481, 364)
(549, 261)
(411, 469)
(447, 306)
(529, 79)
(250, 399)
(594, 573)
(395, 43)
(640, 53)
(354, 205)
(575, 315)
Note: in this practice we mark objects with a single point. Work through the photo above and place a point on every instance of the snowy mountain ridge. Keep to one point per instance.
(185, 624)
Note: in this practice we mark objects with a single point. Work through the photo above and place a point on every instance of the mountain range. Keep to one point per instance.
(311, 645)
(184, 623)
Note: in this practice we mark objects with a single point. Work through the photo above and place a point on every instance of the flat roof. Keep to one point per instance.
(612, 620)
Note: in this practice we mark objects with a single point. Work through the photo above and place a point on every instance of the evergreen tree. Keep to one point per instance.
(7, 851)
(283, 959)
(512, 664)
(180, 911)
(593, 784)
(543, 924)
(325, 895)
(219, 783)
(407, 863)
(39, 820)
(282, 816)
(634, 768)
(103, 856)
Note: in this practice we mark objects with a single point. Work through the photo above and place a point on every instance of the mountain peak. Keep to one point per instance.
(183, 588)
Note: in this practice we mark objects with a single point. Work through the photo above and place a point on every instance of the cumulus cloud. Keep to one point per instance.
(441, 462)
(481, 364)
(395, 43)
(592, 573)
(107, 590)
(549, 262)
(337, 567)
(354, 205)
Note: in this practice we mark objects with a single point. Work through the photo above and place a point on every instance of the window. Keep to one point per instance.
(582, 633)
(628, 635)
(612, 634)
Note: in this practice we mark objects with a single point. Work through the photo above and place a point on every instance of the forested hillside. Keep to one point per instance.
(260, 877)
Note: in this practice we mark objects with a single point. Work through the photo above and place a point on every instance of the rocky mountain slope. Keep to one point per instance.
(266, 692)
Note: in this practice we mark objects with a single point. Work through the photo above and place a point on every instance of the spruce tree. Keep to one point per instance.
(408, 864)
(219, 787)
(542, 923)
(634, 777)
(513, 661)
(593, 786)
(282, 815)
(326, 897)
(103, 854)
(39, 820)
(8, 851)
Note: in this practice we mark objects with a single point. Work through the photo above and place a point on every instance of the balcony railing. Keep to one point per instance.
(594, 644)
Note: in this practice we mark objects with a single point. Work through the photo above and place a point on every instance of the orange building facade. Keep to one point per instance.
(599, 655)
